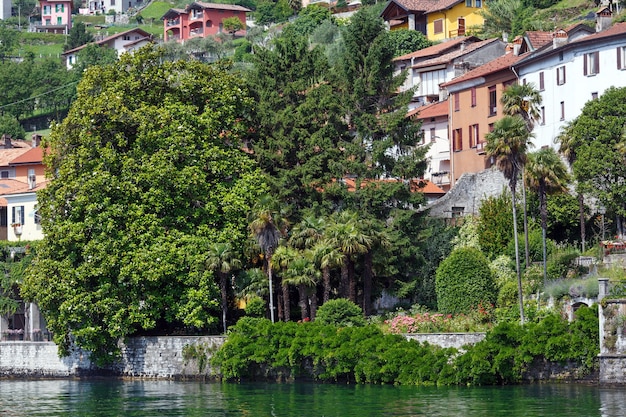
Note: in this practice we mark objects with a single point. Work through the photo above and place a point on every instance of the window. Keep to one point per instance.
(473, 136)
(594, 95)
(473, 91)
(543, 116)
(112, 2)
(592, 63)
(468, 3)
(37, 217)
(541, 82)
(561, 56)
(562, 110)
(438, 26)
(47, 9)
(59, 20)
(479, 3)
(493, 101)
(48, 22)
(457, 140)
(560, 75)
(422, 137)
(4, 174)
(457, 101)
(490, 127)
(17, 216)
(524, 81)
(433, 136)
(126, 37)
(621, 57)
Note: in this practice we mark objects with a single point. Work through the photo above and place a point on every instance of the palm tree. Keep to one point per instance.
(567, 147)
(282, 259)
(508, 143)
(523, 100)
(223, 260)
(546, 174)
(302, 273)
(327, 257)
(268, 226)
(344, 234)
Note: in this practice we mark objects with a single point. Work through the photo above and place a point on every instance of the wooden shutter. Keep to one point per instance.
(597, 62)
(585, 64)
(619, 57)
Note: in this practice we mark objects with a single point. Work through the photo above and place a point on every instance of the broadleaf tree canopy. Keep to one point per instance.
(146, 173)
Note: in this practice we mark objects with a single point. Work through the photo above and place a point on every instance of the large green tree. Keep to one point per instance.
(145, 173)
(594, 138)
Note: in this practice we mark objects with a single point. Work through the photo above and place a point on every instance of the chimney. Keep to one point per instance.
(559, 38)
(604, 18)
(463, 46)
(36, 140)
(6, 141)
(517, 45)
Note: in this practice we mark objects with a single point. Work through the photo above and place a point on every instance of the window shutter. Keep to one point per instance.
(619, 57)
(13, 215)
(564, 74)
(541, 83)
(597, 62)
(585, 64)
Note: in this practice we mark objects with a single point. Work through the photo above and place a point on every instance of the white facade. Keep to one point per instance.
(573, 74)
(23, 219)
(5, 9)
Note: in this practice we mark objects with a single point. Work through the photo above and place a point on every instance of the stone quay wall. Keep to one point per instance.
(161, 357)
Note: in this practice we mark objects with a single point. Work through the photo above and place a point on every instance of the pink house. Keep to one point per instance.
(200, 19)
(56, 16)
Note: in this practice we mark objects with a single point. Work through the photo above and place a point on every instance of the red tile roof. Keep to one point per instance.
(431, 110)
(448, 57)
(140, 31)
(538, 38)
(422, 186)
(31, 156)
(498, 64)
(8, 155)
(426, 6)
(220, 6)
(438, 49)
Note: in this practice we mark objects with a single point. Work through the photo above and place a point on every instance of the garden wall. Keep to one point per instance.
(446, 340)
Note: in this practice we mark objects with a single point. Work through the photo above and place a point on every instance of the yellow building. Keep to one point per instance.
(437, 19)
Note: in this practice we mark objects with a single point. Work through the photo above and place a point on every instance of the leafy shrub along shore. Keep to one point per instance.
(258, 349)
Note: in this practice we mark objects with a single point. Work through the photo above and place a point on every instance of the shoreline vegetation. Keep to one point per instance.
(550, 349)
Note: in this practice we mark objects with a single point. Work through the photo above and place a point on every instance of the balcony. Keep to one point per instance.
(173, 22)
(196, 16)
(440, 178)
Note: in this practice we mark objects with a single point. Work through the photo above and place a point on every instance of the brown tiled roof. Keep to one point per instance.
(538, 38)
(498, 64)
(31, 156)
(445, 58)
(616, 29)
(9, 186)
(438, 49)
(431, 110)
(426, 6)
(108, 38)
(423, 186)
(8, 155)
(220, 6)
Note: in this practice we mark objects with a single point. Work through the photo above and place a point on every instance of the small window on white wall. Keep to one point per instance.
(17, 215)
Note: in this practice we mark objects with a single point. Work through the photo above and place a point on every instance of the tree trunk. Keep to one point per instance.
(270, 277)
(520, 296)
(526, 245)
(581, 211)
(345, 280)
(351, 282)
(367, 284)
(224, 293)
(544, 226)
(287, 307)
(304, 308)
(326, 281)
(313, 302)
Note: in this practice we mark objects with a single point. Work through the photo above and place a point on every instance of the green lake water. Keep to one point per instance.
(105, 397)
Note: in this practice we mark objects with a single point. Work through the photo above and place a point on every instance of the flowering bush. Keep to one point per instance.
(478, 319)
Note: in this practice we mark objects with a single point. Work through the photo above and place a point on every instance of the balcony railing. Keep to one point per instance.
(173, 22)
(195, 16)
(440, 178)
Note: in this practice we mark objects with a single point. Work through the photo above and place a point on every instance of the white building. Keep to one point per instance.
(573, 70)
(5, 9)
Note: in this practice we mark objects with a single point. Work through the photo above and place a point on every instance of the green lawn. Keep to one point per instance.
(156, 10)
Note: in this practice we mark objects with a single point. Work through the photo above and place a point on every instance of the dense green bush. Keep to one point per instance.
(495, 225)
(258, 349)
(255, 307)
(463, 281)
(340, 312)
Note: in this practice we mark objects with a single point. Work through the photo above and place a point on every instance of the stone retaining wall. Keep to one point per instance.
(446, 340)
(142, 357)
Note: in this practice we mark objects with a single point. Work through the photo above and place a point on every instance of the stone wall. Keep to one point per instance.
(467, 194)
(446, 340)
(142, 357)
